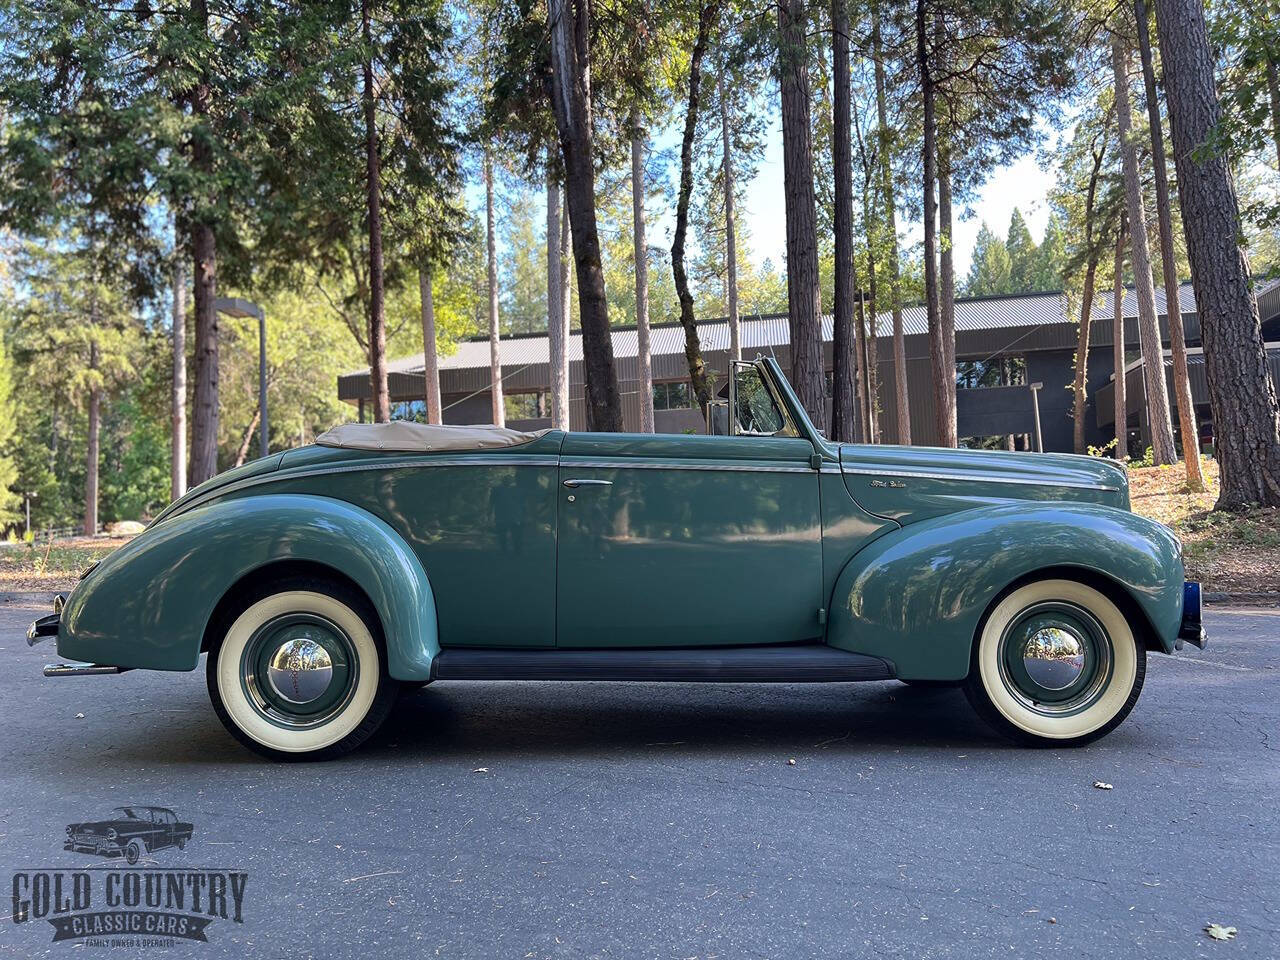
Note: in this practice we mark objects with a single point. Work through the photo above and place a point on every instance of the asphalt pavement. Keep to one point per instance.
(525, 820)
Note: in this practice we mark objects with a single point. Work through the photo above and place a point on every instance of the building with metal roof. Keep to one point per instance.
(1004, 344)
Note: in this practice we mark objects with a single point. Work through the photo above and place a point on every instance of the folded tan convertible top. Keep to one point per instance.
(421, 437)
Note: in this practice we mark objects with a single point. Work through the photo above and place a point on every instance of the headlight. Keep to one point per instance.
(69, 831)
(111, 834)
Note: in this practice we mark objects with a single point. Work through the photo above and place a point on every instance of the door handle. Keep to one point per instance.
(573, 483)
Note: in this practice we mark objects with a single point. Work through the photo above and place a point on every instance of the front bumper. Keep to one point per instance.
(1192, 629)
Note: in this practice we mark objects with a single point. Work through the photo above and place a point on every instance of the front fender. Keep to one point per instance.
(916, 596)
(147, 604)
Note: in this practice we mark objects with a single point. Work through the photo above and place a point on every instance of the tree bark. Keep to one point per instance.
(937, 349)
(947, 297)
(804, 296)
(377, 304)
(644, 365)
(1246, 420)
(707, 13)
(178, 426)
(1188, 431)
(1117, 350)
(246, 439)
(204, 426)
(92, 453)
(844, 334)
(1079, 389)
(1163, 450)
(430, 358)
(730, 228)
(570, 27)
(901, 402)
(557, 314)
(497, 409)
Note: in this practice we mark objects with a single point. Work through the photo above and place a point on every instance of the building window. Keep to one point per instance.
(672, 396)
(995, 372)
(524, 406)
(410, 410)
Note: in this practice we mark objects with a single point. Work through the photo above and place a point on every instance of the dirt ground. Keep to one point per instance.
(1227, 552)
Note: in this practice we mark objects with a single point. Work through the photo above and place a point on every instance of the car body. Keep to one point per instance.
(129, 832)
(768, 553)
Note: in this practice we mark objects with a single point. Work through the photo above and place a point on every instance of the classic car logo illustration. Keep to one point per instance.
(129, 832)
(134, 905)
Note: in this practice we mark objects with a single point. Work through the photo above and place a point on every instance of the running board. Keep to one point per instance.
(807, 663)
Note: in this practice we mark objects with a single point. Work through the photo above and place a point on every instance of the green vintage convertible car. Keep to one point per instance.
(322, 580)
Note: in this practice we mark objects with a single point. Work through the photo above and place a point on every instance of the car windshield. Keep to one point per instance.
(126, 813)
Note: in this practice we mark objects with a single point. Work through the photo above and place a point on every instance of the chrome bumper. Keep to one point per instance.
(80, 669)
(47, 627)
(1192, 629)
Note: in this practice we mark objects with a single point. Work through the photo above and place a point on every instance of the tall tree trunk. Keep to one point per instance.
(430, 358)
(92, 453)
(497, 409)
(1190, 435)
(246, 439)
(557, 312)
(1246, 420)
(570, 30)
(937, 350)
(640, 248)
(947, 297)
(707, 14)
(843, 332)
(901, 403)
(1079, 389)
(869, 306)
(804, 295)
(1157, 392)
(1117, 349)
(1273, 87)
(377, 304)
(730, 227)
(204, 425)
(178, 426)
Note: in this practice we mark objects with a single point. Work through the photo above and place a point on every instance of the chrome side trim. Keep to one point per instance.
(623, 463)
(981, 477)
(398, 464)
(829, 467)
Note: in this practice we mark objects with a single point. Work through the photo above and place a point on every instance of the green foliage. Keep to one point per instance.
(9, 501)
(992, 270)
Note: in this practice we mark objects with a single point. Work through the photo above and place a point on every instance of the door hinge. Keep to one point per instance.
(815, 461)
(822, 616)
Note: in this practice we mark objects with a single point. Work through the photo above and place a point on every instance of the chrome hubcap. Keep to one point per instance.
(300, 670)
(1054, 657)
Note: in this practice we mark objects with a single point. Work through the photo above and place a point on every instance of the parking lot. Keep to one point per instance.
(530, 820)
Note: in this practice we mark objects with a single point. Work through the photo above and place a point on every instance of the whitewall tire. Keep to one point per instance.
(300, 671)
(1056, 663)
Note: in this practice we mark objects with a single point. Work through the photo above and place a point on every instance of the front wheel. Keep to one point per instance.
(1056, 664)
(133, 852)
(300, 672)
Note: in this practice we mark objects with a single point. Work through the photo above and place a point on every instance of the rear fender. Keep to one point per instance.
(916, 596)
(147, 605)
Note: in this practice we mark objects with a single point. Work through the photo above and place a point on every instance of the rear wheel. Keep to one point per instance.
(1056, 663)
(300, 672)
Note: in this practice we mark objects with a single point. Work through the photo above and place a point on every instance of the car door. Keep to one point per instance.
(682, 540)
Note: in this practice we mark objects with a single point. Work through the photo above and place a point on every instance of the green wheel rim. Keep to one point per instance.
(299, 670)
(1056, 658)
